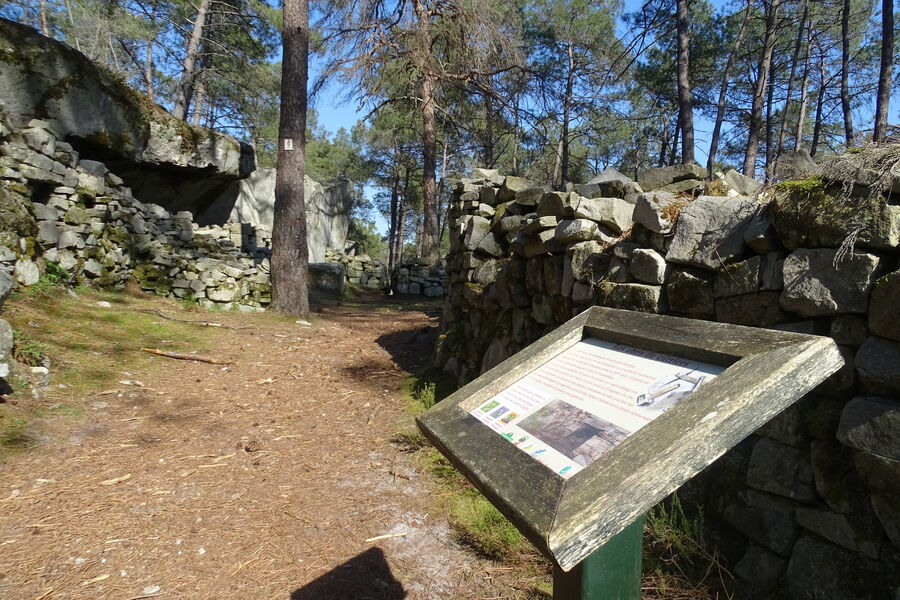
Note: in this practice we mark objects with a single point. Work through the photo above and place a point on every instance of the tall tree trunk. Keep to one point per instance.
(820, 106)
(392, 232)
(199, 97)
(779, 147)
(42, 10)
(804, 98)
(845, 73)
(723, 90)
(884, 77)
(685, 97)
(673, 153)
(185, 90)
(148, 72)
(567, 115)
(429, 243)
(290, 254)
(515, 152)
(759, 93)
(557, 162)
(663, 147)
(770, 101)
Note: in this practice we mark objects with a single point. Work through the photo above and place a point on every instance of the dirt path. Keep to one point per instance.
(259, 480)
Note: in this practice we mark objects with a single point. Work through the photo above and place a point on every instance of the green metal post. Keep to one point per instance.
(612, 572)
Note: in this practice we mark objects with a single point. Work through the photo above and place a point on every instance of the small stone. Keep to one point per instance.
(653, 179)
(576, 230)
(26, 272)
(657, 210)
(648, 266)
(632, 296)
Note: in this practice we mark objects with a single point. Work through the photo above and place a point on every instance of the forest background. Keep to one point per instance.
(409, 95)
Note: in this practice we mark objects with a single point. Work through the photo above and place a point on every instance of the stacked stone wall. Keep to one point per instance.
(414, 277)
(809, 506)
(57, 209)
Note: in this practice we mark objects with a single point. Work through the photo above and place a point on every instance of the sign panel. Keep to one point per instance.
(580, 404)
(579, 434)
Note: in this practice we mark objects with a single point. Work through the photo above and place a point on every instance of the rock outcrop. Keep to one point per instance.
(252, 200)
(103, 119)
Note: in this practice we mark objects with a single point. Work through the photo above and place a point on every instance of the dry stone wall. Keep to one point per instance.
(58, 211)
(414, 277)
(808, 507)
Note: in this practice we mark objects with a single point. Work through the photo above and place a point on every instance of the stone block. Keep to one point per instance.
(872, 425)
(782, 470)
(760, 568)
(647, 266)
(535, 224)
(511, 187)
(884, 307)
(876, 366)
(612, 213)
(26, 272)
(582, 293)
(585, 258)
(690, 294)
(878, 472)
(7, 283)
(761, 309)
(554, 267)
(768, 521)
(810, 214)
(653, 179)
(575, 230)
(849, 330)
(835, 476)
(815, 284)
(632, 296)
(743, 185)
(558, 204)
(858, 533)
(534, 275)
(710, 231)
(819, 569)
(738, 278)
(657, 211)
(887, 510)
(760, 233)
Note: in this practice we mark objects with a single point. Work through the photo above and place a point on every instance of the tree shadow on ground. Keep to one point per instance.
(366, 576)
(411, 349)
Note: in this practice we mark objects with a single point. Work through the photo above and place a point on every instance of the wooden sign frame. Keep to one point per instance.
(567, 519)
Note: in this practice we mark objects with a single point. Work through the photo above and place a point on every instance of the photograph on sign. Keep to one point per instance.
(580, 404)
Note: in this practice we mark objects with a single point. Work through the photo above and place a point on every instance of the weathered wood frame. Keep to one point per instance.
(567, 520)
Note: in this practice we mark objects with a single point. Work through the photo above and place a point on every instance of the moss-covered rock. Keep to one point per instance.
(90, 105)
(813, 213)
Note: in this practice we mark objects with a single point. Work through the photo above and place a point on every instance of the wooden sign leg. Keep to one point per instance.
(612, 572)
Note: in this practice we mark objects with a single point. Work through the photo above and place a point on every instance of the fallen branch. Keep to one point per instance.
(202, 323)
(186, 356)
(384, 537)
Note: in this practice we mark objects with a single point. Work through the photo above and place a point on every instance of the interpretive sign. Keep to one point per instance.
(581, 403)
(578, 435)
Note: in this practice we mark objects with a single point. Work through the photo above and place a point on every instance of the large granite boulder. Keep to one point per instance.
(710, 231)
(90, 108)
(252, 200)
